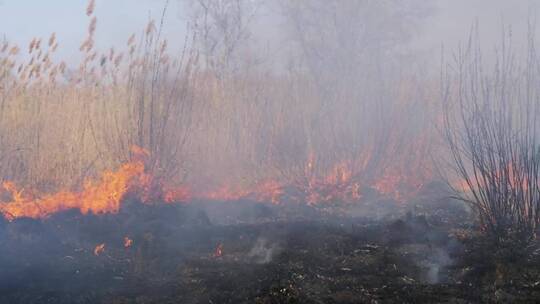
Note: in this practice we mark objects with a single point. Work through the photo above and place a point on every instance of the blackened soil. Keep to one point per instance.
(422, 256)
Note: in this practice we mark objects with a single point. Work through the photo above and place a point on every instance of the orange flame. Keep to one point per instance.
(97, 197)
(343, 183)
(127, 242)
(264, 192)
(219, 251)
(178, 194)
(99, 249)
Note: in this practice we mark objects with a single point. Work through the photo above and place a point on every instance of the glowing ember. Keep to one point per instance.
(271, 191)
(339, 185)
(99, 249)
(178, 194)
(219, 251)
(265, 192)
(226, 193)
(127, 242)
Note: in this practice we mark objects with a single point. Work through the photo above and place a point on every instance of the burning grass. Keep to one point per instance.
(66, 131)
(113, 171)
(107, 194)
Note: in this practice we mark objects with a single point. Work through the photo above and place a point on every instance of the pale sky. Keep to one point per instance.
(21, 20)
(453, 19)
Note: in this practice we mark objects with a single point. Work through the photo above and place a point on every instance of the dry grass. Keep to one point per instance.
(59, 125)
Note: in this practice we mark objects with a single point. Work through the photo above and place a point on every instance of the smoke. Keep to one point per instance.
(276, 127)
(438, 261)
(263, 251)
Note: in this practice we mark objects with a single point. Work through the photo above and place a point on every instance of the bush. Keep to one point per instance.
(491, 128)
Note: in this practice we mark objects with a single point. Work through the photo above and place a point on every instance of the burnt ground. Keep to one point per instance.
(421, 252)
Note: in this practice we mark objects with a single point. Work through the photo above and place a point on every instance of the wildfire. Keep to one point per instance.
(269, 191)
(338, 185)
(397, 186)
(343, 183)
(103, 196)
(177, 194)
(127, 242)
(226, 193)
(219, 251)
(99, 249)
(98, 197)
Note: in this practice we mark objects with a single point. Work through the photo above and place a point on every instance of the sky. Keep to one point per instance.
(452, 19)
(21, 20)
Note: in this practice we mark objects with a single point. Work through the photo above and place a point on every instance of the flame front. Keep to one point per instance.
(127, 242)
(99, 249)
(343, 183)
(219, 251)
(104, 196)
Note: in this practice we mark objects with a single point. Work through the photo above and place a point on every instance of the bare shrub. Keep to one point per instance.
(492, 129)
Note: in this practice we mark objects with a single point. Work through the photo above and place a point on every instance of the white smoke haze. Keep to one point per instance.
(263, 251)
(349, 150)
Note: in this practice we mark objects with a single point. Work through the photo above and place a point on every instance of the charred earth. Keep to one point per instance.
(246, 252)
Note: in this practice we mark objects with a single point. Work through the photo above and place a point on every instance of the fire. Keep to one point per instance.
(177, 194)
(270, 191)
(99, 249)
(219, 251)
(396, 185)
(226, 193)
(127, 242)
(338, 185)
(508, 173)
(103, 196)
(264, 192)
(343, 183)
(98, 197)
